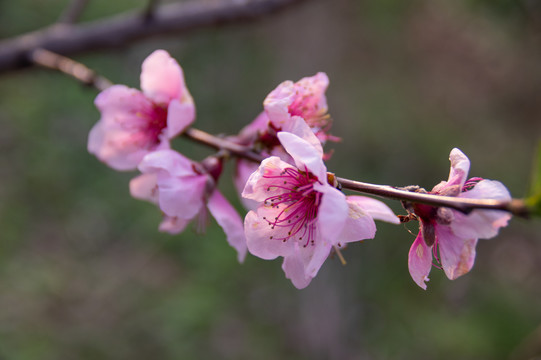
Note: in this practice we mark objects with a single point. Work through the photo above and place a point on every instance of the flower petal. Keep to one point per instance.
(457, 254)
(277, 102)
(420, 261)
(483, 224)
(243, 170)
(304, 154)
(173, 225)
(168, 161)
(460, 166)
(359, 225)
(332, 214)
(293, 267)
(375, 208)
(117, 139)
(162, 78)
(181, 197)
(228, 218)
(261, 239)
(145, 187)
(299, 127)
(262, 183)
(179, 117)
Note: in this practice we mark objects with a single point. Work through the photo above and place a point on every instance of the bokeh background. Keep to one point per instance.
(84, 273)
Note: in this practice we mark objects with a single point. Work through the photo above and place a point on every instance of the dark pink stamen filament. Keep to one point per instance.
(299, 203)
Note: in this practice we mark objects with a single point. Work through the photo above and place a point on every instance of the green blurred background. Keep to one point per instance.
(84, 273)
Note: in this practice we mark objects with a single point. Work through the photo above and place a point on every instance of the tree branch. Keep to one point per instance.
(69, 67)
(72, 12)
(117, 31)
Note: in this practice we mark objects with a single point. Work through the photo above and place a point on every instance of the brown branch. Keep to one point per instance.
(69, 67)
(120, 30)
(514, 206)
(73, 12)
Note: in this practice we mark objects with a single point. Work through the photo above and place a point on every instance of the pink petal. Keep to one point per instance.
(168, 161)
(173, 225)
(460, 166)
(483, 224)
(332, 214)
(162, 78)
(258, 125)
(244, 169)
(304, 154)
(293, 267)
(179, 117)
(145, 187)
(375, 208)
(277, 102)
(261, 239)
(314, 256)
(359, 225)
(181, 197)
(299, 127)
(457, 254)
(228, 218)
(116, 139)
(420, 261)
(261, 184)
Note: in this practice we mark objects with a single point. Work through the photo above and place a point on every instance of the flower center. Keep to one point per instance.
(298, 205)
(470, 184)
(157, 121)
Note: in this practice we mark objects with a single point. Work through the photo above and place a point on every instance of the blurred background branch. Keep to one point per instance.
(66, 38)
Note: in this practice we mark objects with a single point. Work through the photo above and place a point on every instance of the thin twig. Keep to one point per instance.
(70, 67)
(514, 206)
(73, 12)
(118, 31)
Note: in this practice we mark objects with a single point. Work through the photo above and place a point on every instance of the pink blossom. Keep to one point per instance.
(301, 217)
(451, 236)
(184, 190)
(306, 99)
(134, 123)
(283, 108)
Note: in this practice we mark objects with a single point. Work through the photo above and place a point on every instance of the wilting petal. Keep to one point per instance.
(228, 218)
(420, 261)
(162, 78)
(483, 224)
(145, 187)
(460, 166)
(457, 254)
(375, 208)
(304, 154)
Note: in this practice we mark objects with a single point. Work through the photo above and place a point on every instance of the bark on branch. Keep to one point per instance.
(119, 30)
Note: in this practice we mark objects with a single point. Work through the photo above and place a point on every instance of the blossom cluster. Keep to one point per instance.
(295, 207)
